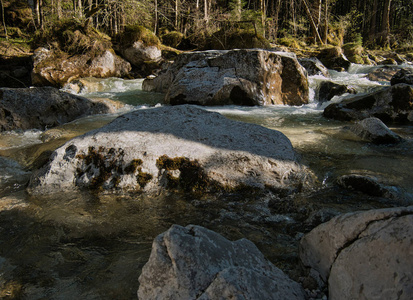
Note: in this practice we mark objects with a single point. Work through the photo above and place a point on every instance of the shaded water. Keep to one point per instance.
(89, 246)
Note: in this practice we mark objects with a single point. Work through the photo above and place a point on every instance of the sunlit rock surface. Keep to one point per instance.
(195, 263)
(181, 147)
(46, 107)
(241, 77)
(57, 69)
(364, 255)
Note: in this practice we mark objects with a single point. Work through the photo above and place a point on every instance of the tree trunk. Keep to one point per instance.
(276, 17)
(372, 31)
(176, 14)
(59, 9)
(155, 30)
(263, 15)
(313, 26)
(385, 25)
(3, 19)
(325, 21)
(206, 14)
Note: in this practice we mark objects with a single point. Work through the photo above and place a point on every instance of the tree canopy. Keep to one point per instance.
(372, 23)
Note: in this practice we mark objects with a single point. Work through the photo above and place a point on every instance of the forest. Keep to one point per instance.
(375, 24)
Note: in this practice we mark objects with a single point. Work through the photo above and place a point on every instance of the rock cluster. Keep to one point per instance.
(241, 77)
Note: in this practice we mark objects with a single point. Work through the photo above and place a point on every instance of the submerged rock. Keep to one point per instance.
(328, 89)
(57, 68)
(366, 185)
(392, 104)
(363, 255)
(402, 76)
(375, 131)
(384, 73)
(314, 66)
(241, 77)
(40, 108)
(181, 147)
(195, 263)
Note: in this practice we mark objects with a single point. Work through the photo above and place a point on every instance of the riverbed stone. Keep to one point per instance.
(314, 66)
(193, 262)
(367, 185)
(51, 68)
(363, 255)
(241, 77)
(334, 58)
(45, 107)
(391, 105)
(328, 89)
(403, 76)
(375, 131)
(181, 147)
(384, 73)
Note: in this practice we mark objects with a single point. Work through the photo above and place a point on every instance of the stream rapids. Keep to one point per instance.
(87, 246)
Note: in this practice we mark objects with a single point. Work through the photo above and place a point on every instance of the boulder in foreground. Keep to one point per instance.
(179, 147)
(240, 77)
(364, 255)
(195, 263)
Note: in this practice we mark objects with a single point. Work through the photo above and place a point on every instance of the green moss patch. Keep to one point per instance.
(133, 33)
(237, 39)
(72, 37)
(192, 176)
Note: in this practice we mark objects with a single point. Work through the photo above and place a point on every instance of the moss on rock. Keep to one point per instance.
(237, 39)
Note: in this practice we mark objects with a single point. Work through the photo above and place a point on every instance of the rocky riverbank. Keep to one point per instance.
(119, 186)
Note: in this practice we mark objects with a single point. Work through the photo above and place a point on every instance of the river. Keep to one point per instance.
(88, 246)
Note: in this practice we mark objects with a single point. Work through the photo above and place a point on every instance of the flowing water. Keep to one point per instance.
(88, 246)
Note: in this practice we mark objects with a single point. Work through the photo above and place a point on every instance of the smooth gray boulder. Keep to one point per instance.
(179, 147)
(241, 77)
(193, 262)
(391, 105)
(139, 53)
(363, 255)
(46, 107)
(375, 131)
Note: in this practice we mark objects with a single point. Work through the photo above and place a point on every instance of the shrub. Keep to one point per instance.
(172, 39)
(133, 33)
(237, 39)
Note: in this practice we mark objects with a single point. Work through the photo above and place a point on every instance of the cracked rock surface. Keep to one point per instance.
(193, 262)
(364, 255)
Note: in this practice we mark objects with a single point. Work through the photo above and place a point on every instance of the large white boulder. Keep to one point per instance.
(241, 77)
(181, 147)
(195, 263)
(364, 255)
